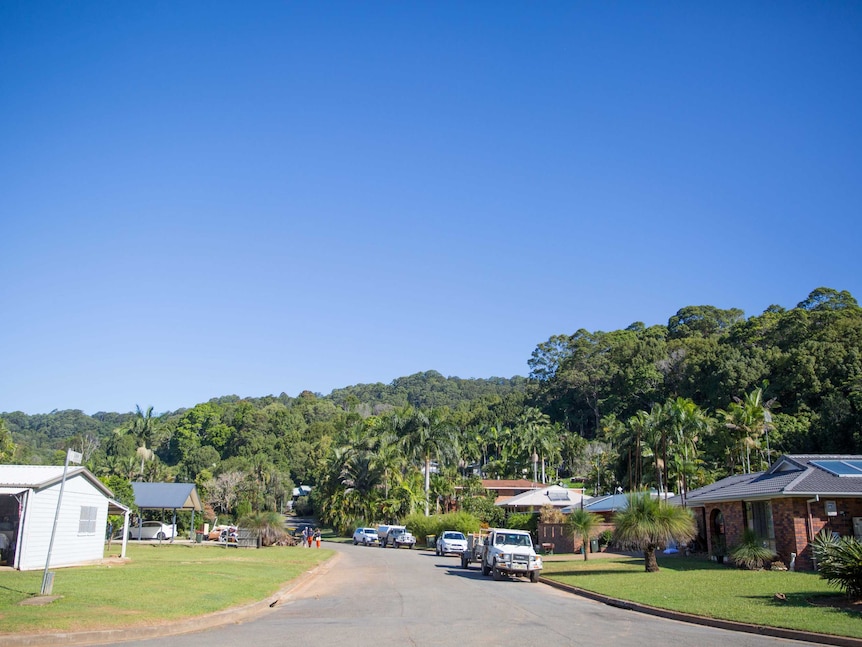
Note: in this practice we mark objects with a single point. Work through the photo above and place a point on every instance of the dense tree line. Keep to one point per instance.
(670, 407)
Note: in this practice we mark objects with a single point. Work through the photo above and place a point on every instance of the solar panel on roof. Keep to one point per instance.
(841, 468)
(555, 495)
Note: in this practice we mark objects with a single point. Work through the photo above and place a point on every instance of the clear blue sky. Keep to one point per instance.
(210, 198)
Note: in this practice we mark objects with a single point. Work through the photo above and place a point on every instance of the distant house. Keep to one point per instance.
(504, 488)
(533, 500)
(28, 505)
(787, 505)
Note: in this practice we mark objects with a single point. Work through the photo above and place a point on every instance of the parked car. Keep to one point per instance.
(152, 530)
(386, 533)
(403, 538)
(365, 536)
(451, 541)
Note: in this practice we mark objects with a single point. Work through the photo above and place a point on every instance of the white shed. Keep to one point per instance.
(28, 504)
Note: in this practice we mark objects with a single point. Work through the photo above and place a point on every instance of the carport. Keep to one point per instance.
(168, 496)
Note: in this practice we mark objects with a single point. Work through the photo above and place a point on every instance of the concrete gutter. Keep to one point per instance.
(775, 632)
(148, 632)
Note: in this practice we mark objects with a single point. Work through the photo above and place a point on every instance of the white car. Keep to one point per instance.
(365, 536)
(451, 541)
(152, 530)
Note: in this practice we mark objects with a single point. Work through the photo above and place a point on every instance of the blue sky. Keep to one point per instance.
(209, 198)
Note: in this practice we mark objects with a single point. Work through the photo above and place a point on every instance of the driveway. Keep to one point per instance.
(397, 598)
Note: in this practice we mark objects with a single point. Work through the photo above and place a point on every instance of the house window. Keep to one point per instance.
(759, 519)
(87, 520)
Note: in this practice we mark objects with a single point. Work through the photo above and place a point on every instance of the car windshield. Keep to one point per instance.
(452, 535)
(370, 531)
(518, 540)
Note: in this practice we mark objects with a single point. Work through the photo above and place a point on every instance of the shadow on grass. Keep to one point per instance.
(805, 600)
(29, 594)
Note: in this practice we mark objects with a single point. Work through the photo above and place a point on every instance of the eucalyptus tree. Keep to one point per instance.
(428, 436)
(7, 447)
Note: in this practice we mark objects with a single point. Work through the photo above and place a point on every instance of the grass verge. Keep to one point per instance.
(160, 583)
(703, 588)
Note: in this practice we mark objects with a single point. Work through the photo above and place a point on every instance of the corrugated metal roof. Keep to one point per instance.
(167, 496)
(42, 476)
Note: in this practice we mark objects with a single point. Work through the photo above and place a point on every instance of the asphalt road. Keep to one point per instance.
(379, 597)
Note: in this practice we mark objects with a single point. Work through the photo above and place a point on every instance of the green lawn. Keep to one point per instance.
(160, 583)
(697, 586)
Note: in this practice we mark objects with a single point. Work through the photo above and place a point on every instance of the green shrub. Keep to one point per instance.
(839, 561)
(422, 526)
(751, 553)
(606, 537)
(521, 521)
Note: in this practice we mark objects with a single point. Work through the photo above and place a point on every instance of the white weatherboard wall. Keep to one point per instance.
(71, 547)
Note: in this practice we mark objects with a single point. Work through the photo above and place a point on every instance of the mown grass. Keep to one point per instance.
(703, 588)
(160, 583)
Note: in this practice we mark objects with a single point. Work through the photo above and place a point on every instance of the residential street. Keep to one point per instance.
(389, 598)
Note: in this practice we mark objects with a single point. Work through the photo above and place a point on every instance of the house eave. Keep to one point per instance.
(773, 495)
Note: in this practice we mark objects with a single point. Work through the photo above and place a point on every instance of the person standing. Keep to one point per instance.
(310, 536)
(317, 536)
(306, 540)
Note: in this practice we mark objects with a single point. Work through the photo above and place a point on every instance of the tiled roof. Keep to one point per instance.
(792, 475)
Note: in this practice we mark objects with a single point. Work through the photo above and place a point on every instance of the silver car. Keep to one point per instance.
(451, 541)
(365, 536)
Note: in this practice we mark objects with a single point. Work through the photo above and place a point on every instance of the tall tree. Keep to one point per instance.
(428, 436)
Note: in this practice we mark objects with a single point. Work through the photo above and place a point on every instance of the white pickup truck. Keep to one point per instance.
(503, 551)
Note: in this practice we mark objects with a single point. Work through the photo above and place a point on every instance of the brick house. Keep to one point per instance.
(787, 505)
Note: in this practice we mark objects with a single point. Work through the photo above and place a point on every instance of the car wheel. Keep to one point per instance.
(160, 536)
(437, 552)
(485, 570)
(355, 542)
(410, 547)
(496, 574)
(464, 563)
(534, 576)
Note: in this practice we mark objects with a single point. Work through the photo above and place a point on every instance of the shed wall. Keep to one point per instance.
(71, 547)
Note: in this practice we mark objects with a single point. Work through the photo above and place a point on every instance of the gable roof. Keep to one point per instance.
(505, 484)
(167, 496)
(554, 495)
(792, 475)
(39, 477)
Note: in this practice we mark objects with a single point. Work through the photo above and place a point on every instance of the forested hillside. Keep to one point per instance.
(668, 406)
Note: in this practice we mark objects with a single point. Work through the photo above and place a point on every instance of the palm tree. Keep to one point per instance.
(428, 436)
(648, 524)
(688, 424)
(748, 419)
(583, 524)
(534, 437)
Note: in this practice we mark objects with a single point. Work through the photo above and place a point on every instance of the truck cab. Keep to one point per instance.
(503, 552)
